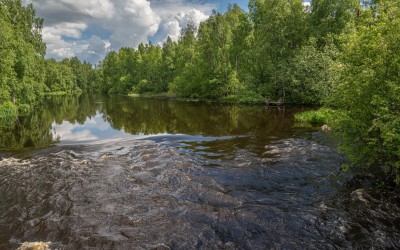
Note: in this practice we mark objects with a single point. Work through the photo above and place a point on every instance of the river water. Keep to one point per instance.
(95, 172)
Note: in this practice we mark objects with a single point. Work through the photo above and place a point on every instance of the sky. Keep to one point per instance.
(89, 29)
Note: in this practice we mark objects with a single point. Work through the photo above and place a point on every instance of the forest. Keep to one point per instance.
(25, 75)
(344, 55)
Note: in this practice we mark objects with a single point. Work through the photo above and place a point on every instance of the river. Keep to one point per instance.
(97, 172)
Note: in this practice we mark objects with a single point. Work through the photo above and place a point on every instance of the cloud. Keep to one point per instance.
(97, 45)
(96, 50)
(93, 129)
(89, 28)
(194, 16)
(73, 30)
(134, 22)
(173, 26)
(56, 45)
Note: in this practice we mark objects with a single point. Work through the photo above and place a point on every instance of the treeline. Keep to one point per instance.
(281, 48)
(25, 76)
(21, 55)
(344, 54)
(70, 76)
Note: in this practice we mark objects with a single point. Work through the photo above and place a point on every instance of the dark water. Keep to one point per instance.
(94, 172)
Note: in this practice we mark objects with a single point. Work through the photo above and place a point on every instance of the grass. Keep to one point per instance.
(321, 116)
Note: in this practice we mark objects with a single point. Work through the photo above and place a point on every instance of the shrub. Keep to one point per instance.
(8, 109)
(24, 109)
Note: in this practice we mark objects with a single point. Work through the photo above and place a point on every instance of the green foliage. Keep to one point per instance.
(235, 56)
(69, 76)
(279, 30)
(142, 87)
(247, 97)
(21, 53)
(323, 115)
(24, 109)
(8, 110)
(309, 79)
(143, 70)
(329, 19)
(367, 90)
(185, 82)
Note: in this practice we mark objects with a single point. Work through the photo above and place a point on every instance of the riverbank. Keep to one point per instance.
(165, 96)
(63, 93)
(243, 99)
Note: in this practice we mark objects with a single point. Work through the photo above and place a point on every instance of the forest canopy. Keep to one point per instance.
(25, 75)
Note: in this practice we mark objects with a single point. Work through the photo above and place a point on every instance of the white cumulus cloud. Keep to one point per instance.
(133, 23)
(173, 25)
(89, 28)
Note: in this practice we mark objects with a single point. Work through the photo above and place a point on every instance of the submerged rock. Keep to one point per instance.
(161, 247)
(361, 195)
(34, 246)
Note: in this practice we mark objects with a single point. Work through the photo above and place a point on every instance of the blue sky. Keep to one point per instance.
(89, 29)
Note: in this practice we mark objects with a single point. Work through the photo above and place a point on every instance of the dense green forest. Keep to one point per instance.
(344, 54)
(279, 49)
(25, 76)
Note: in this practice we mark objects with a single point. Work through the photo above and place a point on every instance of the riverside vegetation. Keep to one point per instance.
(341, 54)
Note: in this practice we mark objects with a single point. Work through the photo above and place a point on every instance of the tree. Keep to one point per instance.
(22, 51)
(184, 83)
(309, 78)
(330, 18)
(111, 73)
(367, 93)
(279, 30)
(60, 77)
(168, 66)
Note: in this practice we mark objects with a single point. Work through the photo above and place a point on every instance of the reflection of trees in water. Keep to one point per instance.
(27, 132)
(142, 116)
(74, 109)
(251, 126)
(34, 131)
(157, 116)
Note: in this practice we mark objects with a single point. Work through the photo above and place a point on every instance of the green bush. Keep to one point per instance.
(8, 109)
(367, 91)
(24, 109)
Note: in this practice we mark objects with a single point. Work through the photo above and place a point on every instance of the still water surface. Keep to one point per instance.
(94, 172)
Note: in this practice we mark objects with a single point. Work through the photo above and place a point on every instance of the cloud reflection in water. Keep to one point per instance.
(94, 129)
